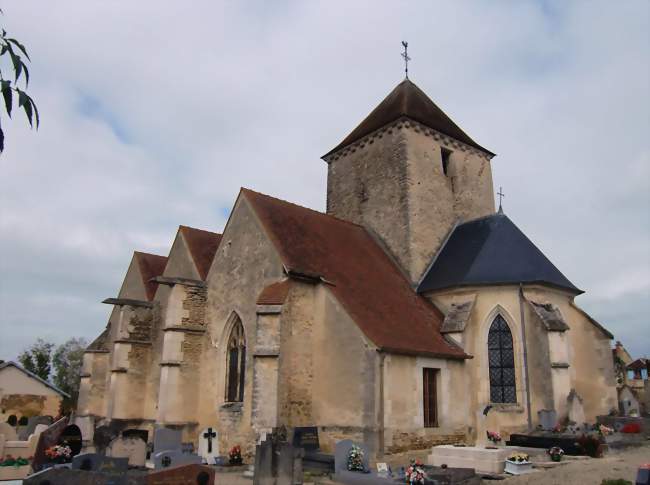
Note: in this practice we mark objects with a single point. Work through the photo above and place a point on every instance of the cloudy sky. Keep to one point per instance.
(155, 113)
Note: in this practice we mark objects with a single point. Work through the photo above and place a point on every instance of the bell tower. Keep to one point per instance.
(407, 174)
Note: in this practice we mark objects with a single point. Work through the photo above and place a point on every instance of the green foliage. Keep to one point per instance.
(36, 358)
(617, 481)
(67, 362)
(10, 55)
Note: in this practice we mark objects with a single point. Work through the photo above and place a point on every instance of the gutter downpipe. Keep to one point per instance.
(380, 431)
(525, 346)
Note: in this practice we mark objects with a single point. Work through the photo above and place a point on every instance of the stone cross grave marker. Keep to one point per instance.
(209, 445)
(132, 448)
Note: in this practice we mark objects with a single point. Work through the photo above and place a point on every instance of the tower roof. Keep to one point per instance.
(408, 100)
(491, 251)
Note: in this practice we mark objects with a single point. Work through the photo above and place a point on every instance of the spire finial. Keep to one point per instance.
(406, 57)
(501, 196)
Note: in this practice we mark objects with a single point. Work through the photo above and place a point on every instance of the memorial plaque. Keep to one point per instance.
(46, 439)
(183, 475)
(306, 437)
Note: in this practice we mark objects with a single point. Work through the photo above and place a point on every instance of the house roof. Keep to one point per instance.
(491, 251)
(361, 276)
(10, 363)
(202, 246)
(408, 100)
(639, 364)
(275, 293)
(151, 265)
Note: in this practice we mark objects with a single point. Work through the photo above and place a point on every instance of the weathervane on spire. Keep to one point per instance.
(406, 57)
(501, 196)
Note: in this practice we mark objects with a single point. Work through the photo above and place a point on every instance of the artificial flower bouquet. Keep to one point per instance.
(519, 458)
(355, 459)
(234, 455)
(555, 453)
(415, 473)
(493, 436)
(604, 430)
(59, 453)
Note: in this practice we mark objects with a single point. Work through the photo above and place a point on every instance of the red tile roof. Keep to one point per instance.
(151, 265)
(274, 294)
(202, 245)
(363, 278)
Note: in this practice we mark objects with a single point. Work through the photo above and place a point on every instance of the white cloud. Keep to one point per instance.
(154, 115)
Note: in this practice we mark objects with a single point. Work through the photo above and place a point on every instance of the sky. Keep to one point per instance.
(154, 114)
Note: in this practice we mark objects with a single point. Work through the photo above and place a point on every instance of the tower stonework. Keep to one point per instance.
(408, 174)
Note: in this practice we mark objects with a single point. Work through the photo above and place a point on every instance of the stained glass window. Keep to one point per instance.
(502, 362)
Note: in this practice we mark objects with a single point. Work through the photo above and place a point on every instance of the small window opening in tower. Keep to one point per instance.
(445, 154)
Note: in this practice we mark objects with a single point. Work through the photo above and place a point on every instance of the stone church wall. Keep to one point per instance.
(233, 289)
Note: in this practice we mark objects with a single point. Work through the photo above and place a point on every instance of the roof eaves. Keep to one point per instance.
(592, 320)
(34, 376)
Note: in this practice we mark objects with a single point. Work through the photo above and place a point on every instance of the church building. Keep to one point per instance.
(411, 313)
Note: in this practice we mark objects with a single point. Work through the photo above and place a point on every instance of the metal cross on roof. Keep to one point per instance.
(406, 57)
(501, 196)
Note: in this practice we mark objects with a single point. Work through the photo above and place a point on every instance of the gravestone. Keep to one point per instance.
(575, 407)
(103, 436)
(209, 445)
(71, 436)
(195, 474)
(342, 452)
(107, 471)
(8, 431)
(306, 437)
(171, 458)
(167, 439)
(48, 437)
(31, 426)
(132, 448)
(547, 419)
(143, 434)
(87, 461)
(277, 462)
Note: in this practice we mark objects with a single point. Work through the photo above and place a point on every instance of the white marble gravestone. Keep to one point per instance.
(576, 409)
(209, 445)
(132, 448)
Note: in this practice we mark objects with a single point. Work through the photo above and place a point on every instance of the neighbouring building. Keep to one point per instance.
(23, 394)
(395, 318)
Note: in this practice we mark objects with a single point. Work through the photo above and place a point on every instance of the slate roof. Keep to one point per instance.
(202, 246)
(491, 251)
(10, 363)
(151, 265)
(360, 275)
(274, 294)
(408, 100)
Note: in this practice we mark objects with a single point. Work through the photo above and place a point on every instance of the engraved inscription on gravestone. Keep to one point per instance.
(306, 437)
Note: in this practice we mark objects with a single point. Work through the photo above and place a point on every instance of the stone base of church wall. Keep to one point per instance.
(400, 440)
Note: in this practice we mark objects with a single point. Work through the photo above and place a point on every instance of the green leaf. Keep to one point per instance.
(38, 118)
(3, 50)
(7, 95)
(26, 71)
(15, 59)
(20, 46)
(2, 140)
(24, 102)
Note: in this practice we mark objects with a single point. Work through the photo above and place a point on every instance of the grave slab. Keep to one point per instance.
(167, 459)
(195, 474)
(483, 460)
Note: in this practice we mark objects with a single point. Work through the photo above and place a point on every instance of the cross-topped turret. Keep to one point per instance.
(406, 57)
(501, 196)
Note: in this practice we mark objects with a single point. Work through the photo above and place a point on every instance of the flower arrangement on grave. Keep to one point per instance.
(519, 458)
(604, 430)
(234, 455)
(591, 445)
(355, 459)
(415, 473)
(555, 453)
(493, 436)
(59, 453)
(559, 428)
(11, 461)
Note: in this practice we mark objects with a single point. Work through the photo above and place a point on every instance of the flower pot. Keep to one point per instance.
(518, 467)
(556, 457)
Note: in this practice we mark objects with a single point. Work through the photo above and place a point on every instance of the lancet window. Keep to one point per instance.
(236, 363)
(502, 362)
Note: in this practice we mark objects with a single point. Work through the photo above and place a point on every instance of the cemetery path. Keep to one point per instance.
(616, 464)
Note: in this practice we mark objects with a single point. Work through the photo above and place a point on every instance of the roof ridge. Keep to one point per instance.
(197, 229)
(303, 207)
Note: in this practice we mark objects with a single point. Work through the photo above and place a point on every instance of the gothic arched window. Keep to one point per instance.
(502, 362)
(236, 365)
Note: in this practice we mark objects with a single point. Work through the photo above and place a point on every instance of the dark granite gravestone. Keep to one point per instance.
(568, 443)
(277, 463)
(167, 439)
(108, 471)
(87, 461)
(306, 437)
(264, 463)
(71, 436)
(172, 458)
(46, 439)
(31, 426)
(143, 434)
(195, 474)
(452, 476)
(103, 436)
